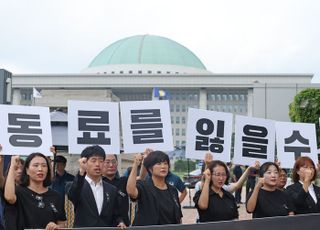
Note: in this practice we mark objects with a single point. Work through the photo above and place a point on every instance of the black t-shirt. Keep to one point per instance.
(118, 182)
(237, 172)
(121, 184)
(37, 210)
(166, 207)
(272, 203)
(10, 216)
(219, 208)
(150, 205)
(252, 175)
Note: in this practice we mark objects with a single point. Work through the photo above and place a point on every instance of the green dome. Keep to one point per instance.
(147, 49)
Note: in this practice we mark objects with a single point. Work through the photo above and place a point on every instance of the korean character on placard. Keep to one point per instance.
(255, 141)
(94, 122)
(24, 128)
(146, 126)
(297, 150)
(205, 128)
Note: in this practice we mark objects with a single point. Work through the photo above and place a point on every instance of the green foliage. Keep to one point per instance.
(182, 166)
(305, 108)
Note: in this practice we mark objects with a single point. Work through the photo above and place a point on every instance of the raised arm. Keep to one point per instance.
(207, 159)
(308, 175)
(132, 180)
(143, 170)
(236, 185)
(52, 162)
(2, 179)
(203, 201)
(76, 187)
(10, 187)
(252, 202)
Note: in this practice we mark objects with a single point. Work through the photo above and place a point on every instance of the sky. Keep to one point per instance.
(228, 36)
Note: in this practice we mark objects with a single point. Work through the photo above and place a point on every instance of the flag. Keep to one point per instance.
(160, 94)
(36, 93)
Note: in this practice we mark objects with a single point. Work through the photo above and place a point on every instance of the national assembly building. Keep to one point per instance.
(131, 68)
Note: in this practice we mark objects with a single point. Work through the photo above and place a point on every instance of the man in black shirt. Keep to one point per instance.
(237, 173)
(111, 175)
(61, 176)
(251, 182)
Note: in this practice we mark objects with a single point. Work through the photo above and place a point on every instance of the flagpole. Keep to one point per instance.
(33, 98)
(190, 206)
(35, 94)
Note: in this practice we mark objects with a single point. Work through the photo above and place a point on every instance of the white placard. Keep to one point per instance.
(295, 139)
(209, 131)
(254, 140)
(146, 124)
(25, 129)
(93, 123)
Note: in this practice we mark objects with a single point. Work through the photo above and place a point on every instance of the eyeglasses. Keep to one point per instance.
(41, 204)
(219, 174)
(114, 162)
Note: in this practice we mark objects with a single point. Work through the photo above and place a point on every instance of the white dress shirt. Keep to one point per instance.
(97, 190)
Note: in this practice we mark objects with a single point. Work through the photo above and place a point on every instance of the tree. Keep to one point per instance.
(182, 165)
(305, 108)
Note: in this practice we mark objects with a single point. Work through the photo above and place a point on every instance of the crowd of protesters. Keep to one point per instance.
(34, 191)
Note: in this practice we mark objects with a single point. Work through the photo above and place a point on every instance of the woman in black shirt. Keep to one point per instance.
(267, 200)
(158, 201)
(213, 202)
(304, 194)
(37, 205)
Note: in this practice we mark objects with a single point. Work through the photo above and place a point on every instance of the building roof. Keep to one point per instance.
(147, 50)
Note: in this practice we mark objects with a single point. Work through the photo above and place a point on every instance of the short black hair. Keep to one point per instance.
(285, 171)
(94, 150)
(154, 158)
(60, 159)
(264, 167)
(25, 180)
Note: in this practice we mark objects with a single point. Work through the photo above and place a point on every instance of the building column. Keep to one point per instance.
(250, 103)
(16, 97)
(203, 98)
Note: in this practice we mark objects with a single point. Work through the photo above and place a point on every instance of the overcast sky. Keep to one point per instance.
(229, 36)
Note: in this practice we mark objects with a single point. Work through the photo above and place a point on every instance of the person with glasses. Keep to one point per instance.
(38, 206)
(266, 200)
(283, 178)
(111, 175)
(304, 193)
(212, 201)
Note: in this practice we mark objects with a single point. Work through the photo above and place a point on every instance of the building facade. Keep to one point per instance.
(129, 70)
